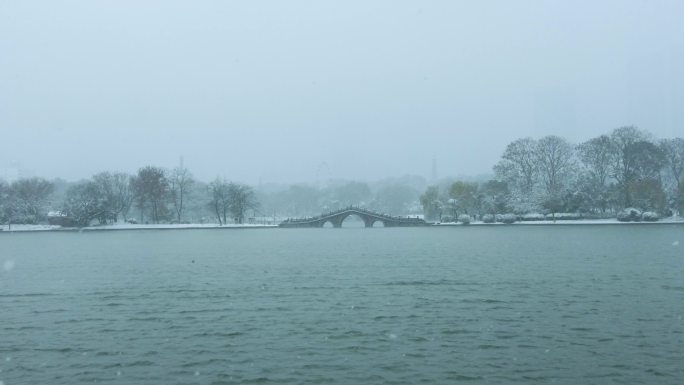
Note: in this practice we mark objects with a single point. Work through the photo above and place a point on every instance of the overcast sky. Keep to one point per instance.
(270, 90)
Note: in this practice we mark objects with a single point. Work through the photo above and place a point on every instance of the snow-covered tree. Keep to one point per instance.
(114, 190)
(86, 202)
(518, 165)
(556, 165)
(520, 169)
(495, 197)
(29, 198)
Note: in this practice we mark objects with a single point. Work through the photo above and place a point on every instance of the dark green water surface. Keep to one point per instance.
(481, 305)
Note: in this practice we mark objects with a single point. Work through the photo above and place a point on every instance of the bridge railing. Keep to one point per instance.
(354, 208)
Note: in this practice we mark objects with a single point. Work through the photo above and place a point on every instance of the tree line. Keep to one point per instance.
(152, 195)
(156, 195)
(598, 178)
(627, 168)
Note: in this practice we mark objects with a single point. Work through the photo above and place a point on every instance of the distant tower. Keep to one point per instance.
(181, 162)
(434, 170)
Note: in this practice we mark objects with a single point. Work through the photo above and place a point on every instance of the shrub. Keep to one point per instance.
(488, 218)
(506, 218)
(564, 216)
(649, 216)
(464, 218)
(533, 217)
(629, 214)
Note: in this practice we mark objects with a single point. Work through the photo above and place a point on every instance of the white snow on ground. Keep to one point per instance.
(610, 221)
(128, 226)
(30, 227)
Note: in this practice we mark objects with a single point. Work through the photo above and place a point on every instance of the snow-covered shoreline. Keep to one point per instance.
(610, 221)
(128, 226)
(199, 226)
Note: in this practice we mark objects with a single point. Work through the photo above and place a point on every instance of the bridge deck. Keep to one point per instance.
(369, 217)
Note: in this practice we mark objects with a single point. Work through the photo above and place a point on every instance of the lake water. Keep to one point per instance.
(483, 305)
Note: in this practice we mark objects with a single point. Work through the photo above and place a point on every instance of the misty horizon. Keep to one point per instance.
(285, 92)
(327, 192)
(321, 178)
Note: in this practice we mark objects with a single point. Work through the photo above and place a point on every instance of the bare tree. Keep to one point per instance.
(597, 156)
(150, 186)
(673, 150)
(139, 196)
(646, 160)
(218, 190)
(555, 162)
(623, 167)
(114, 190)
(645, 185)
(241, 198)
(123, 192)
(180, 182)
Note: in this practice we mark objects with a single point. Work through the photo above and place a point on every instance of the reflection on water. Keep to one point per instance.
(520, 304)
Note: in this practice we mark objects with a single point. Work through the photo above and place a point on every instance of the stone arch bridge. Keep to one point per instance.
(369, 218)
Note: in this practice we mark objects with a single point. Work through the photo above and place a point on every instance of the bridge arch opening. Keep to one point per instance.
(328, 224)
(353, 220)
(378, 224)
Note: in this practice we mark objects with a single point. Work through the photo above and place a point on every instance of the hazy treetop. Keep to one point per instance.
(269, 90)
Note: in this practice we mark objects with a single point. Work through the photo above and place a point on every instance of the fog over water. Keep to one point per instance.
(269, 91)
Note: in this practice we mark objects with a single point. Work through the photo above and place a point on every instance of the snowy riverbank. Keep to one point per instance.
(128, 226)
(609, 221)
